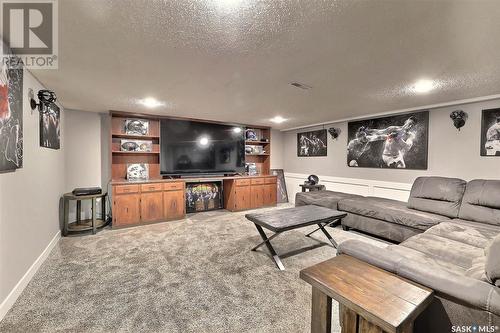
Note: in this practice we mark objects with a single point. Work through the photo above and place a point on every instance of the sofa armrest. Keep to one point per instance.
(473, 292)
(369, 253)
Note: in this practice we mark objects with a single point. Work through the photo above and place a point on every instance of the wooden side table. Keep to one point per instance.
(370, 299)
(80, 225)
(310, 188)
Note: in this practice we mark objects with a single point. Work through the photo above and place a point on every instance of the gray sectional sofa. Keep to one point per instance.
(449, 240)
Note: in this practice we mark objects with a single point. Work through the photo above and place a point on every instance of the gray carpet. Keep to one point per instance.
(194, 275)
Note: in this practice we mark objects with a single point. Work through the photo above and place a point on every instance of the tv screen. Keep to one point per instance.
(190, 147)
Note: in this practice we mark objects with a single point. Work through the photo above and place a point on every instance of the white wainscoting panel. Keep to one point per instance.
(365, 187)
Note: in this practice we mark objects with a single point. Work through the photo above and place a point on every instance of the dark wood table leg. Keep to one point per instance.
(348, 320)
(93, 216)
(274, 255)
(66, 217)
(78, 211)
(321, 312)
(103, 208)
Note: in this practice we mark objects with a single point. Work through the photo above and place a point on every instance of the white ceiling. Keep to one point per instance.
(233, 60)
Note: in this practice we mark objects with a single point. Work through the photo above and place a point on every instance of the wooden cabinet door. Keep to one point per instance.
(174, 204)
(126, 209)
(270, 194)
(152, 206)
(242, 197)
(257, 196)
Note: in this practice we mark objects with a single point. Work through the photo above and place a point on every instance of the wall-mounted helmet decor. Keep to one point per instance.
(459, 118)
(44, 97)
(334, 132)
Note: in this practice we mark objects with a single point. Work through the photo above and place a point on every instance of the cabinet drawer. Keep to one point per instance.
(125, 189)
(151, 187)
(242, 182)
(173, 186)
(271, 180)
(258, 181)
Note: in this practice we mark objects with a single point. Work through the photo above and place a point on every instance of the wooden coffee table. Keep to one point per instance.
(370, 299)
(282, 220)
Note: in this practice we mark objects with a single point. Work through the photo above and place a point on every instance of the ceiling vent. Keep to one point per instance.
(301, 85)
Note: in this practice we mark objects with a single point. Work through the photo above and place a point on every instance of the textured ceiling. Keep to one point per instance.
(233, 60)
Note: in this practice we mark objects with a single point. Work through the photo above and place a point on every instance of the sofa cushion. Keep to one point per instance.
(467, 232)
(437, 195)
(481, 202)
(391, 211)
(492, 265)
(328, 199)
(453, 252)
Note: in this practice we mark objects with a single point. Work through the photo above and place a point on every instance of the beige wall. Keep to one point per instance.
(451, 153)
(105, 151)
(276, 149)
(83, 149)
(29, 198)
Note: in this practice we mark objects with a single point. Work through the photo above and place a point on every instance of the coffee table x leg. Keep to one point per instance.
(321, 226)
(267, 241)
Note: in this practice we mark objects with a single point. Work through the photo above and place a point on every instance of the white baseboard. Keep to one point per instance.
(11, 298)
(365, 187)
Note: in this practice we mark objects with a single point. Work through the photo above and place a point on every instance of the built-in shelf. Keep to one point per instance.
(135, 152)
(120, 159)
(138, 137)
(250, 142)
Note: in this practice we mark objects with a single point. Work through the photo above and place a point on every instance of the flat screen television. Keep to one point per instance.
(192, 147)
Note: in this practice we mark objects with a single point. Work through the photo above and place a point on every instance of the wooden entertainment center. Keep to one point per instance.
(158, 199)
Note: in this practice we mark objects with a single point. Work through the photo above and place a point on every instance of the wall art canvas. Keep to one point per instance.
(137, 171)
(399, 141)
(50, 126)
(282, 193)
(136, 145)
(490, 133)
(136, 127)
(11, 117)
(313, 143)
(203, 197)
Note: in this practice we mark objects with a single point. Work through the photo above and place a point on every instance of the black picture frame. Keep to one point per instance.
(490, 126)
(312, 143)
(368, 141)
(50, 126)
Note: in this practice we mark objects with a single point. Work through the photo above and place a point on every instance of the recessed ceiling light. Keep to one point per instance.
(151, 102)
(278, 119)
(237, 129)
(228, 5)
(423, 86)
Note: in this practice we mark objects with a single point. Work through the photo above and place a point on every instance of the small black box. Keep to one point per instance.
(87, 191)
